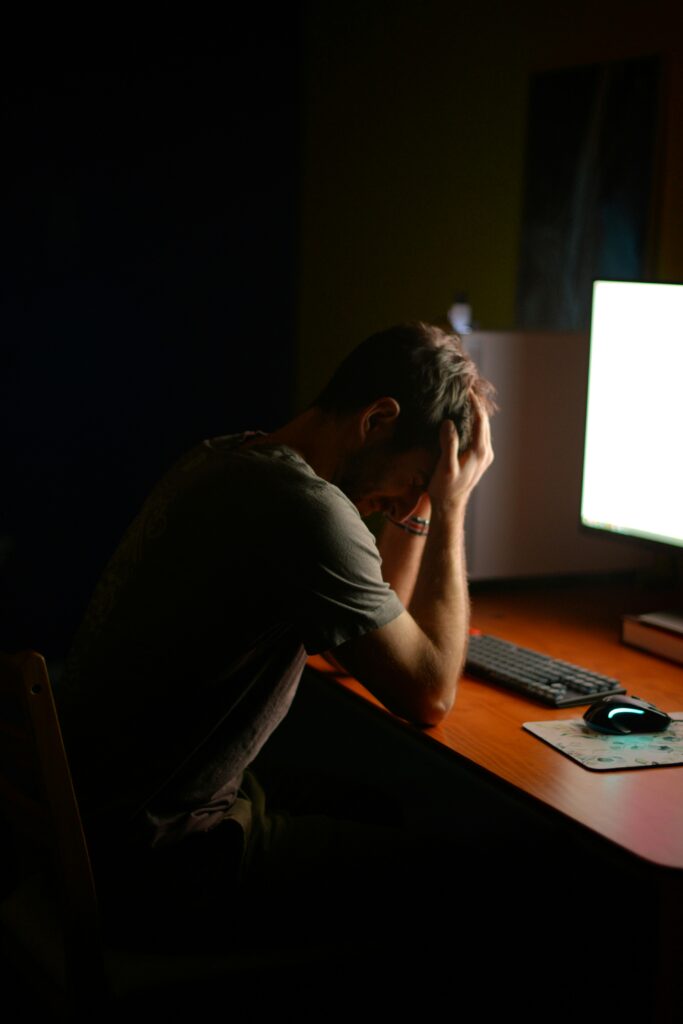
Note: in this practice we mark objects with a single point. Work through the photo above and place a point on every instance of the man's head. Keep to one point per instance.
(400, 385)
(425, 370)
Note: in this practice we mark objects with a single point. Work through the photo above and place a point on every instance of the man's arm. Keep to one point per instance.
(413, 664)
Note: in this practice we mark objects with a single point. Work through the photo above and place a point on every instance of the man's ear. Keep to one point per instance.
(378, 420)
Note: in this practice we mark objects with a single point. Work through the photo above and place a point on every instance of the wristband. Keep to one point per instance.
(413, 524)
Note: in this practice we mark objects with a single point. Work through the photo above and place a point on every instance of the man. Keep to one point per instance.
(248, 556)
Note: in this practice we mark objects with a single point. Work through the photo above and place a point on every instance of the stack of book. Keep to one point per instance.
(658, 632)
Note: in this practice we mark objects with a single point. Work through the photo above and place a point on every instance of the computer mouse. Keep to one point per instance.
(621, 715)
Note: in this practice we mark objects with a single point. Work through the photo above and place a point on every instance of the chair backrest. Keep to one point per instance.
(38, 803)
(60, 938)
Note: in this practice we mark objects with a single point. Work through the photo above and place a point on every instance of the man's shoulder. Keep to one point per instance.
(268, 489)
(276, 467)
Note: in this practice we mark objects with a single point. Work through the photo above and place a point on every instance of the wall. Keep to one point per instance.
(414, 155)
(148, 224)
(168, 248)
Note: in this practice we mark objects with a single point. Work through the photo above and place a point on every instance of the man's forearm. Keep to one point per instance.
(440, 602)
(413, 664)
(429, 575)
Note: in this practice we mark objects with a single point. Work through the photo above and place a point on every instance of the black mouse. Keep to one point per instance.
(622, 715)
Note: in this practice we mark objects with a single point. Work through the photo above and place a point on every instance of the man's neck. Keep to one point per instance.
(323, 440)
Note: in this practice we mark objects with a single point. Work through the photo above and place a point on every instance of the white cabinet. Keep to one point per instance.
(523, 518)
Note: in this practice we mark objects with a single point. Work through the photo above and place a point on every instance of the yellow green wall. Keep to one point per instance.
(414, 135)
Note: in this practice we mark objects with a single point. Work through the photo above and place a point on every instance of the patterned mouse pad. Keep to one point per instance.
(601, 753)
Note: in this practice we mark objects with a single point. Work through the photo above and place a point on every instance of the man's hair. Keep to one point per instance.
(428, 373)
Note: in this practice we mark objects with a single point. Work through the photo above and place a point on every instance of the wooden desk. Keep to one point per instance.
(629, 822)
(639, 810)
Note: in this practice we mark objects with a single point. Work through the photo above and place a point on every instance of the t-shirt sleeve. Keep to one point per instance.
(340, 589)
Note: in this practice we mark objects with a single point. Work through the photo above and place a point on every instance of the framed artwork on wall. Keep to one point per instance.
(589, 187)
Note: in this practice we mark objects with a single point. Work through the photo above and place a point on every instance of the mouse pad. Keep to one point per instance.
(602, 753)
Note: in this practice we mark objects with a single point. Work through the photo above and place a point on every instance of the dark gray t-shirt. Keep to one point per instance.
(241, 562)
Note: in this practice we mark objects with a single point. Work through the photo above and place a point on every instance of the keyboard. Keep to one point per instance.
(559, 684)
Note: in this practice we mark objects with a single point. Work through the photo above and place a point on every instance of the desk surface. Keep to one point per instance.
(640, 810)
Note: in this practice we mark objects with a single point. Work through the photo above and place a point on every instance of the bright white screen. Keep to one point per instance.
(633, 457)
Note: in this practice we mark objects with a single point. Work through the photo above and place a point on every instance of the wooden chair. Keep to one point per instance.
(49, 921)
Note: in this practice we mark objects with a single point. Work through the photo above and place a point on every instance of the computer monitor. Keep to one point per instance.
(632, 481)
(633, 449)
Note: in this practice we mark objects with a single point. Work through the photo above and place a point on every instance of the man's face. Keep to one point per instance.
(378, 479)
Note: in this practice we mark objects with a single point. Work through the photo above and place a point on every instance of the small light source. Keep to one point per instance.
(460, 314)
(625, 711)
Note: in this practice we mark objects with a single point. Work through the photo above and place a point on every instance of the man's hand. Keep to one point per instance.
(456, 476)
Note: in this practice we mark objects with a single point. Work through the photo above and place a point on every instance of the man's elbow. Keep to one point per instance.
(438, 690)
(434, 707)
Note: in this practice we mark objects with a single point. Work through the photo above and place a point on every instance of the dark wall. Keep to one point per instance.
(148, 274)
